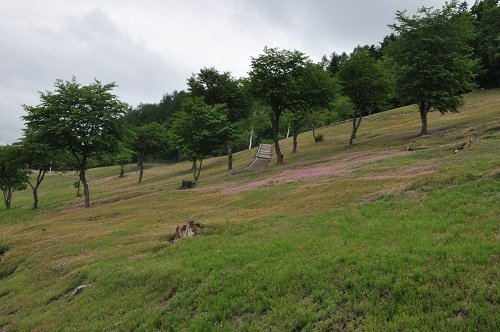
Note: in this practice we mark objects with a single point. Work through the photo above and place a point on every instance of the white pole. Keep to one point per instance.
(251, 139)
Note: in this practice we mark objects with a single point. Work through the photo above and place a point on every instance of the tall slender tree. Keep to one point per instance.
(221, 88)
(149, 139)
(199, 131)
(364, 83)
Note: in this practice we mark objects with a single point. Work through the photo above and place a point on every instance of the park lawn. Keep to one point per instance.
(387, 239)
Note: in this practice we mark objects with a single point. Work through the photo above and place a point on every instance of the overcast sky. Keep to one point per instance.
(150, 47)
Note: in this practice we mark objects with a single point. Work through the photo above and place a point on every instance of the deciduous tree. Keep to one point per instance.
(363, 82)
(287, 80)
(432, 54)
(221, 88)
(84, 119)
(40, 158)
(149, 139)
(13, 172)
(199, 130)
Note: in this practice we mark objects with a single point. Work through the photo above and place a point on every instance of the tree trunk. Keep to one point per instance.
(7, 196)
(140, 160)
(34, 187)
(294, 149)
(288, 132)
(141, 171)
(251, 138)
(314, 134)
(78, 188)
(35, 197)
(423, 117)
(229, 157)
(122, 171)
(193, 168)
(86, 191)
(279, 156)
(195, 173)
(356, 122)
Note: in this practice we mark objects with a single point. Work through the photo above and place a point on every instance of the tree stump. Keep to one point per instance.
(187, 184)
(188, 230)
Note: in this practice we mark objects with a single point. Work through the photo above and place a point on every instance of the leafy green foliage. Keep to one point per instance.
(149, 139)
(222, 89)
(334, 62)
(341, 109)
(13, 173)
(41, 158)
(487, 41)
(199, 130)
(156, 112)
(320, 137)
(85, 120)
(315, 90)
(3, 247)
(287, 80)
(363, 81)
(432, 53)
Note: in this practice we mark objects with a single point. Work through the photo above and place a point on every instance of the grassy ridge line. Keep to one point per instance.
(324, 253)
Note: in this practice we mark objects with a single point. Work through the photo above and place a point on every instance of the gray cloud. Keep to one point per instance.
(151, 48)
(88, 47)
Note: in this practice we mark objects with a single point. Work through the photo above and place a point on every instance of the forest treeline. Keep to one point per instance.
(429, 59)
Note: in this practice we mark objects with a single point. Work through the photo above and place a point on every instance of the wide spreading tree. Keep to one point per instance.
(82, 119)
(432, 54)
(13, 172)
(363, 81)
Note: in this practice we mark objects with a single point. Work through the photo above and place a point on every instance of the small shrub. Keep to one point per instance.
(3, 248)
(319, 138)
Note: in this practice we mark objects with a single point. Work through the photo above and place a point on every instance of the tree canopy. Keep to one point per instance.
(221, 88)
(83, 119)
(287, 80)
(487, 41)
(433, 56)
(363, 82)
(40, 158)
(149, 139)
(13, 172)
(199, 130)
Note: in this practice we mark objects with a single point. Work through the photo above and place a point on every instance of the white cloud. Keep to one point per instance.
(151, 47)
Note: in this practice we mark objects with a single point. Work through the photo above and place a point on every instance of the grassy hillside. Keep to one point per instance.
(369, 237)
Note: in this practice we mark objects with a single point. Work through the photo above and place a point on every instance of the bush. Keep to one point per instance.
(319, 138)
(3, 248)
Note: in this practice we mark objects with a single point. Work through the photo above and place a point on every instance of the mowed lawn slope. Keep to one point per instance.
(368, 237)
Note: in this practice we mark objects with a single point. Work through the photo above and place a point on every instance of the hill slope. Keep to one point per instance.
(365, 237)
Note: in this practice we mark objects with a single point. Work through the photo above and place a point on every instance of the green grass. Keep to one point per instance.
(404, 242)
